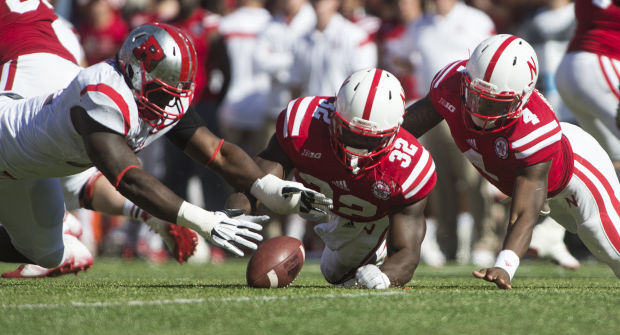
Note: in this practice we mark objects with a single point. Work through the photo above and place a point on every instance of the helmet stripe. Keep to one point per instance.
(371, 94)
(185, 61)
(495, 58)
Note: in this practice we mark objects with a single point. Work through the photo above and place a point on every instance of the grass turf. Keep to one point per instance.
(117, 297)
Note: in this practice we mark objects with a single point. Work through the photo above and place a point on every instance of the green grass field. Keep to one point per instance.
(117, 297)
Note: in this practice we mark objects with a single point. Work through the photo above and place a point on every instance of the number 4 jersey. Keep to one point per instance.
(405, 175)
(535, 137)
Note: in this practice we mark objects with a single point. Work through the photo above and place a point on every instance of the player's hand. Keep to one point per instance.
(223, 228)
(499, 276)
(370, 276)
(288, 197)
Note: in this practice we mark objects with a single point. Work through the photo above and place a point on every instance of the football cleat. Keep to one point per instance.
(78, 259)
(181, 241)
(71, 225)
(548, 242)
(430, 252)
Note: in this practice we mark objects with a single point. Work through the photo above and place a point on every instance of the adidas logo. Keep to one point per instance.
(341, 184)
(472, 143)
(349, 224)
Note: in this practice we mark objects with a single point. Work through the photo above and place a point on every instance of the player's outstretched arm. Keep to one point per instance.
(421, 117)
(111, 155)
(530, 192)
(281, 196)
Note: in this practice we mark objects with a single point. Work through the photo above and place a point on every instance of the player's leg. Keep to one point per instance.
(349, 245)
(32, 213)
(588, 84)
(591, 197)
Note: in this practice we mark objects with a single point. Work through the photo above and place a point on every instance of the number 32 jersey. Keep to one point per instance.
(535, 137)
(405, 175)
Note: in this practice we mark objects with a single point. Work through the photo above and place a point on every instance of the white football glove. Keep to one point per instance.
(370, 276)
(289, 197)
(222, 227)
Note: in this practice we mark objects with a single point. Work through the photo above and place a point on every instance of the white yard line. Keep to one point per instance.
(98, 304)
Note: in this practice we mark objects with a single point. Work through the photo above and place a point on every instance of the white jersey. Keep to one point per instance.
(274, 54)
(434, 40)
(37, 136)
(324, 59)
(245, 103)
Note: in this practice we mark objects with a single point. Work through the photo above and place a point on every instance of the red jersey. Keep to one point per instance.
(405, 176)
(533, 138)
(598, 27)
(26, 28)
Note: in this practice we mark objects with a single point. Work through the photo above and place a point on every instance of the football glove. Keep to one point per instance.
(223, 228)
(370, 276)
(289, 197)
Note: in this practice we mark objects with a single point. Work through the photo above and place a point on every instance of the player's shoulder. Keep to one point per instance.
(106, 97)
(411, 166)
(302, 112)
(452, 70)
(536, 129)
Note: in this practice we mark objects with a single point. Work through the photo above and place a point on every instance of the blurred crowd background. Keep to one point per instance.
(255, 55)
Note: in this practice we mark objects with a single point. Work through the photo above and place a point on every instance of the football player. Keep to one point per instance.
(507, 130)
(351, 148)
(588, 78)
(39, 54)
(107, 113)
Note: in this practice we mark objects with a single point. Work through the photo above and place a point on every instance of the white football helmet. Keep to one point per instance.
(159, 62)
(501, 75)
(369, 110)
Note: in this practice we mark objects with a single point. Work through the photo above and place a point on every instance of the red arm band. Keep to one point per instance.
(215, 153)
(122, 174)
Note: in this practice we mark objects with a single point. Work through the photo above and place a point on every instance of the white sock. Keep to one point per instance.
(131, 211)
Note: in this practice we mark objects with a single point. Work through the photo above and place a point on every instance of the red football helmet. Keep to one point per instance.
(369, 110)
(159, 61)
(500, 77)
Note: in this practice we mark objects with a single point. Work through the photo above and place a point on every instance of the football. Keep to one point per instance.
(275, 263)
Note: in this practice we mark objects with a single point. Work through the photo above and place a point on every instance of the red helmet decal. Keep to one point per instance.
(371, 94)
(149, 53)
(495, 58)
(532, 66)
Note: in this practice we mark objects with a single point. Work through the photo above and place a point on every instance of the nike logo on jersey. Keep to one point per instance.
(310, 154)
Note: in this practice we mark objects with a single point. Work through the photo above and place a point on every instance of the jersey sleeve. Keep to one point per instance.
(293, 123)
(106, 106)
(540, 138)
(448, 77)
(422, 178)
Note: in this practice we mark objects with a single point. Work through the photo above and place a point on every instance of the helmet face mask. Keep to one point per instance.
(359, 148)
(369, 109)
(159, 62)
(499, 78)
(489, 111)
